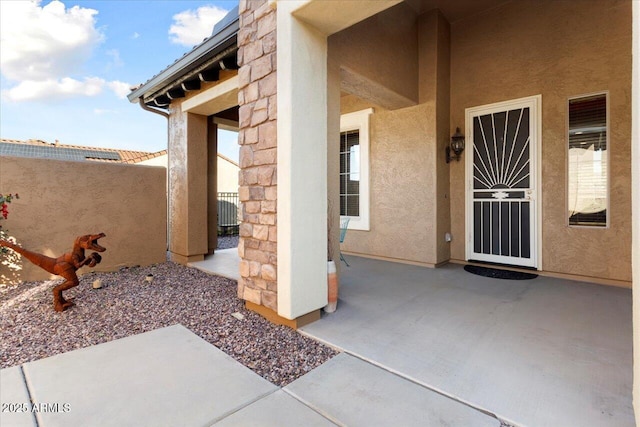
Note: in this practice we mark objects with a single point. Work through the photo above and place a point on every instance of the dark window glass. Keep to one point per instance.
(588, 161)
(350, 173)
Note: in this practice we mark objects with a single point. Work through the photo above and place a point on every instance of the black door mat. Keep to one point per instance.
(499, 274)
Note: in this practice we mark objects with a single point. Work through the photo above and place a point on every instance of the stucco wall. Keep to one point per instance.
(61, 200)
(227, 175)
(156, 161)
(403, 211)
(409, 179)
(531, 47)
(383, 49)
(187, 185)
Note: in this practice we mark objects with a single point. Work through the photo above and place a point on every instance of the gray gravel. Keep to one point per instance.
(127, 304)
(228, 242)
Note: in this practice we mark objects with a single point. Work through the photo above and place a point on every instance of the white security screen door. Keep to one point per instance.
(502, 182)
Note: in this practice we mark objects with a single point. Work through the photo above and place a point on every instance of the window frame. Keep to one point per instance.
(359, 120)
(608, 162)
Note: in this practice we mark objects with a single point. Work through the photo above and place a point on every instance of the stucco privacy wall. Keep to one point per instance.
(61, 200)
(557, 49)
(227, 175)
(257, 138)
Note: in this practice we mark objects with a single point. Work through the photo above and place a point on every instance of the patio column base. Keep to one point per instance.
(273, 317)
(185, 259)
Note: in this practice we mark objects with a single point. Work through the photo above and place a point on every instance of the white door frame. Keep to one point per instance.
(535, 146)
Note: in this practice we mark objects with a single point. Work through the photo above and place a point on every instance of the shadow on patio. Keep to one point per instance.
(538, 352)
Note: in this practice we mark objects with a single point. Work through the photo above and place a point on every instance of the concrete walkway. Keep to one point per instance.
(171, 377)
(224, 262)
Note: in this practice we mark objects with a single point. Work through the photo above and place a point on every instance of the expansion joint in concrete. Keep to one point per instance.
(433, 389)
(29, 394)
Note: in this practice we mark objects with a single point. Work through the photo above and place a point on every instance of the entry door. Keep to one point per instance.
(502, 182)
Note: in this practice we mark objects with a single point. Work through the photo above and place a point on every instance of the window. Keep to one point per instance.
(588, 161)
(354, 168)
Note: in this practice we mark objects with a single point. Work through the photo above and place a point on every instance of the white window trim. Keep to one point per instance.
(359, 121)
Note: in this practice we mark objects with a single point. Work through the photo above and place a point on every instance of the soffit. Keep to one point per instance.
(331, 18)
(454, 10)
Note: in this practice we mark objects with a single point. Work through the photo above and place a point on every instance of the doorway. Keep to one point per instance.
(503, 182)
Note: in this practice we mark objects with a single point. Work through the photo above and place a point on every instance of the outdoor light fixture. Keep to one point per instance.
(456, 145)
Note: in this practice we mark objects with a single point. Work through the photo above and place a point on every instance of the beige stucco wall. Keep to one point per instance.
(434, 91)
(635, 171)
(156, 161)
(227, 171)
(409, 181)
(227, 175)
(516, 50)
(192, 179)
(61, 200)
(531, 47)
(188, 238)
(381, 49)
(402, 215)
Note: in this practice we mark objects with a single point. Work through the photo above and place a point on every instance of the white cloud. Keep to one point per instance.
(54, 89)
(135, 35)
(121, 89)
(45, 42)
(192, 27)
(44, 46)
(67, 87)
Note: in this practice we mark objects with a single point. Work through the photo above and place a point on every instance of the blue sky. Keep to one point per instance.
(67, 66)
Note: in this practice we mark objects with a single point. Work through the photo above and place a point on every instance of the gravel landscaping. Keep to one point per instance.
(136, 300)
(228, 242)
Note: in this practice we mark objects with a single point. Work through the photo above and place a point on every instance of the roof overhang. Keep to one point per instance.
(202, 64)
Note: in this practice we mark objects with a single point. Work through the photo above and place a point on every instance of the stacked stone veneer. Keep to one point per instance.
(258, 155)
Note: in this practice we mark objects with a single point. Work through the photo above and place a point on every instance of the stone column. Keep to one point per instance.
(258, 140)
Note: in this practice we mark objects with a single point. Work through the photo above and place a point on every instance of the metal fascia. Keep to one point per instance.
(189, 60)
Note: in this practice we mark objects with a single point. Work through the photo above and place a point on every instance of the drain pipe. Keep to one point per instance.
(166, 116)
(153, 110)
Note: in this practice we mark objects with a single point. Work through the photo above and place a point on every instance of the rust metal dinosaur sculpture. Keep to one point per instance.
(65, 265)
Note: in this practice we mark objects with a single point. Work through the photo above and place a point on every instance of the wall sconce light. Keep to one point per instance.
(456, 145)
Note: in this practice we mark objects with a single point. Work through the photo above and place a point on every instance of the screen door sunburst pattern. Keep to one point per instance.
(502, 189)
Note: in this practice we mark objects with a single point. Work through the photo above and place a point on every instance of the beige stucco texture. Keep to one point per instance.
(60, 200)
(515, 50)
(193, 173)
(402, 211)
(227, 175)
(528, 48)
(409, 207)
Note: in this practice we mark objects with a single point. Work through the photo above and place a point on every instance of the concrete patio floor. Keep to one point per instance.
(541, 352)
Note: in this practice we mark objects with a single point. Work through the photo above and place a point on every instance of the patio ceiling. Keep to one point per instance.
(454, 10)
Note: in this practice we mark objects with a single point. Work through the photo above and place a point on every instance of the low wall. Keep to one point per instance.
(60, 200)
